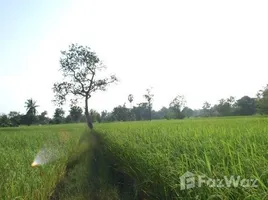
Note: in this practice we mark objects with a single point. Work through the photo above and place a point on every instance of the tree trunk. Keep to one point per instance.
(89, 122)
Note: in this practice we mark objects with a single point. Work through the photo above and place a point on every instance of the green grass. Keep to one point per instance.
(155, 154)
(149, 157)
(18, 148)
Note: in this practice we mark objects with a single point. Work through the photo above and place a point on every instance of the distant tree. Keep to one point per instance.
(149, 97)
(24, 119)
(104, 115)
(262, 101)
(232, 103)
(68, 119)
(155, 114)
(226, 107)
(75, 113)
(31, 111)
(130, 99)
(214, 111)
(109, 117)
(141, 112)
(169, 115)
(163, 112)
(95, 116)
(231, 100)
(122, 113)
(15, 118)
(187, 112)
(79, 66)
(98, 118)
(58, 116)
(177, 104)
(84, 118)
(222, 107)
(245, 106)
(137, 111)
(42, 118)
(5, 121)
(206, 109)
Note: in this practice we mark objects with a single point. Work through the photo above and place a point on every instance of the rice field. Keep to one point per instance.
(18, 149)
(154, 155)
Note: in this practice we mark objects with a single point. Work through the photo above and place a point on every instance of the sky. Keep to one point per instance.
(204, 50)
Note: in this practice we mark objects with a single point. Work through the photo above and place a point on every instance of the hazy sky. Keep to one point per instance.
(204, 50)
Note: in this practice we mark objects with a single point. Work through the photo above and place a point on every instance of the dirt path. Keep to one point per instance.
(91, 175)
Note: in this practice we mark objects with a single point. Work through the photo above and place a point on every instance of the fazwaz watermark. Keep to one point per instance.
(189, 180)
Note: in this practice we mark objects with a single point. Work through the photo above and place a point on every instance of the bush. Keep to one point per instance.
(5, 121)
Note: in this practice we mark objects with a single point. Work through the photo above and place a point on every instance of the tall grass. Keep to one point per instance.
(18, 148)
(152, 155)
(155, 154)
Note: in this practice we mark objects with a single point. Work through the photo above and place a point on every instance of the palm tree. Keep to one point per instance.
(31, 106)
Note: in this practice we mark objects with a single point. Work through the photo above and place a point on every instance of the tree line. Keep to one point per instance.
(33, 117)
(177, 109)
(80, 66)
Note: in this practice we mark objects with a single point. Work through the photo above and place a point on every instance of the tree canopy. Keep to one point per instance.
(262, 100)
(176, 105)
(79, 66)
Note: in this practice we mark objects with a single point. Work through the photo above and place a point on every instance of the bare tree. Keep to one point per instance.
(79, 66)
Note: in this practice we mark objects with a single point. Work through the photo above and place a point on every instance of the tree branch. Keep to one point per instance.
(78, 80)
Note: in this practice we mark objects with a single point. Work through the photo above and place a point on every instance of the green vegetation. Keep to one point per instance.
(19, 147)
(135, 160)
(177, 109)
(155, 154)
(80, 66)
